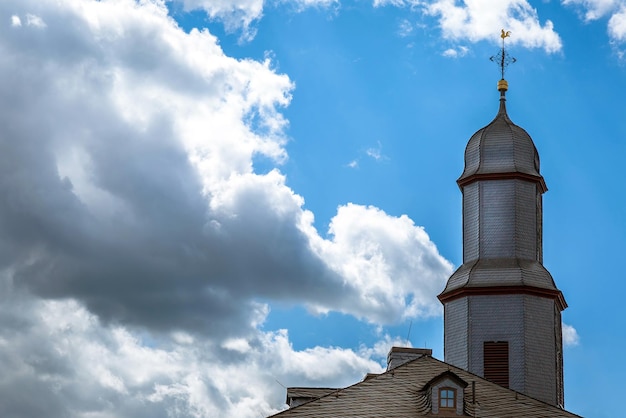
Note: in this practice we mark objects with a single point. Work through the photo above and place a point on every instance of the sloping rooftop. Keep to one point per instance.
(402, 393)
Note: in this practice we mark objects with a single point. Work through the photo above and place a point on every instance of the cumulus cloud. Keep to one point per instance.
(617, 25)
(239, 15)
(570, 336)
(304, 4)
(594, 9)
(137, 240)
(136, 129)
(140, 198)
(376, 152)
(483, 20)
(474, 21)
(59, 361)
(396, 3)
(242, 14)
(380, 255)
(405, 28)
(597, 9)
(455, 52)
(34, 20)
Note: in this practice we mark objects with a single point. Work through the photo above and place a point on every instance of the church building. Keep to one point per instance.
(503, 349)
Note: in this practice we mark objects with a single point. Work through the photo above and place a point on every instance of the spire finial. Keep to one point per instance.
(503, 59)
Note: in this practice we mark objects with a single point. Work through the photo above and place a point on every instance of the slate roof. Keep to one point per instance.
(488, 272)
(297, 392)
(401, 393)
(501, 147)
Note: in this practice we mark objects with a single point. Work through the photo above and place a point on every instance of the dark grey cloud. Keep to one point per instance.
(126, 181)
(153, 258)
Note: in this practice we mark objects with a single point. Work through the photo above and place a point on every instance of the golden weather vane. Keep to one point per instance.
(502, 58)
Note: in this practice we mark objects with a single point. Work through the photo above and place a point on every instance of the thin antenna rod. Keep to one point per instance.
(277, 381)
(408, 335)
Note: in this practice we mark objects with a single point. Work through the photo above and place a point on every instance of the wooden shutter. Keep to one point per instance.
(496, 362)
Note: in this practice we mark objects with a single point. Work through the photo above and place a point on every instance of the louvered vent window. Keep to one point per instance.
(496, 356)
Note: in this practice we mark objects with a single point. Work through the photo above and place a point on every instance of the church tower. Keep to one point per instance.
(502, 309)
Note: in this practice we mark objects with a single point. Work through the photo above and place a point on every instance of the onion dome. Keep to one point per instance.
(501, 148)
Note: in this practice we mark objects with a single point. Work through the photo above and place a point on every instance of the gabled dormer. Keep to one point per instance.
(446, 394)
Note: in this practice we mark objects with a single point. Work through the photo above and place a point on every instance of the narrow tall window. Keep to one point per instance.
(447, 398)
(496, 362)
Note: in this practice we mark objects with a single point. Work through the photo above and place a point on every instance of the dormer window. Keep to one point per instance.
(447, 398)
(446, 394)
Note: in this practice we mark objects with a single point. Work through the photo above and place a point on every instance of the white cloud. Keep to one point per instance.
(597, 9)
(16, 21)
(84, 369)
(34, 20)
(396, 3)
(594, 9)
(305, 4)
(482, 20)
(392, 262)
(376, 152)
(570, 336)
(455, 53)
(617, 25)
(239, 15)
(242, 14)
(405, 28)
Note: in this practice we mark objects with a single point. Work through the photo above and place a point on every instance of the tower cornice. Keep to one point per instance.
(555, 295)
(463, 181)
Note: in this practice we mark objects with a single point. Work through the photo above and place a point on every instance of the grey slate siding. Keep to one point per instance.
(539, 246)
(471, 231)
(456, 333)
(529, 325)
(540, 349)
(497, 218)
(526, 220)
(500, 219)
(558, 342)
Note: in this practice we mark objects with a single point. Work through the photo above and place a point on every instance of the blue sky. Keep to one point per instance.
(205, 200)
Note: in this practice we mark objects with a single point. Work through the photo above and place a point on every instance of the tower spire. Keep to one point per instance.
(503, 59)
(502, 309)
